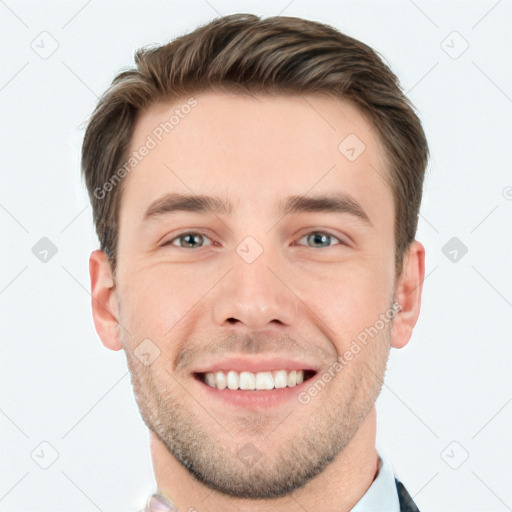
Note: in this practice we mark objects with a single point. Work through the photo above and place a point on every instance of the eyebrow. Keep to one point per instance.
(330, 203)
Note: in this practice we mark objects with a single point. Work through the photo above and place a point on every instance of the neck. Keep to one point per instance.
(341, 485)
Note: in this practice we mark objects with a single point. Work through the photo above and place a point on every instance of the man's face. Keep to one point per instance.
(257, 288)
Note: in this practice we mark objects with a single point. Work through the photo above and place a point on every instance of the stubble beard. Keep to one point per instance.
(185, 428)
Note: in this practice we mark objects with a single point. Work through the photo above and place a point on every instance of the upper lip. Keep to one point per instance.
(254, 364)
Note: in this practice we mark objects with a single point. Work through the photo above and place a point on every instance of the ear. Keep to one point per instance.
(105, 305)
(408, 294)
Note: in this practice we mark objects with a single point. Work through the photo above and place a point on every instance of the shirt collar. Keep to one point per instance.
(382, 495)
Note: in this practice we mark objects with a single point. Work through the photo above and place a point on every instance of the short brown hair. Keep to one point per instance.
(246, 53)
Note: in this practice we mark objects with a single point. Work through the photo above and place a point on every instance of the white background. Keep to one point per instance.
(60, 386)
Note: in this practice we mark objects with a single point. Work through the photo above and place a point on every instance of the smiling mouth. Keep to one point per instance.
(260, 381)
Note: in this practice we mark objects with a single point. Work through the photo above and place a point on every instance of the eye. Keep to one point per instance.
(321, 238)
(190, 238)
(194, 239)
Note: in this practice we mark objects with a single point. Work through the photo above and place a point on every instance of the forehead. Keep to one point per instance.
(256, 150)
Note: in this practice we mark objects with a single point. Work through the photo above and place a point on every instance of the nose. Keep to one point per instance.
(254, 295)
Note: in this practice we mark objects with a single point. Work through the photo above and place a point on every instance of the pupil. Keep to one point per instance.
(319, 238)
(189, 237)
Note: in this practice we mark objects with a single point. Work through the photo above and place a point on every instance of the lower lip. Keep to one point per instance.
(257, 399)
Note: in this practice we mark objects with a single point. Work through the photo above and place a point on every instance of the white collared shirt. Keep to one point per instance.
(382, 495)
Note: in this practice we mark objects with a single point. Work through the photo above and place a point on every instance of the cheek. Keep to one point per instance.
(350, 298)
(155, 300)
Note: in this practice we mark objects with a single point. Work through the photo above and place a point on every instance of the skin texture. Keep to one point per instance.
(300, 297)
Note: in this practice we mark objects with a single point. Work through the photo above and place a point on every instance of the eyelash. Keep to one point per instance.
(184, 233)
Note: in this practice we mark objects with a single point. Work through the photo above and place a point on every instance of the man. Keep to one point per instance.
(256, 187)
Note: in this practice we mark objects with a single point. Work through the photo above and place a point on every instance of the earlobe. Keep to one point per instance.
(408, 295)
(105, 308)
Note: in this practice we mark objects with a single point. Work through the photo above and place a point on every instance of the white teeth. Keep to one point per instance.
(210, 380)
(248, 381)
(264, 380)
(280, 379)
(232, 380)
(292, 378)
(220, 380)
